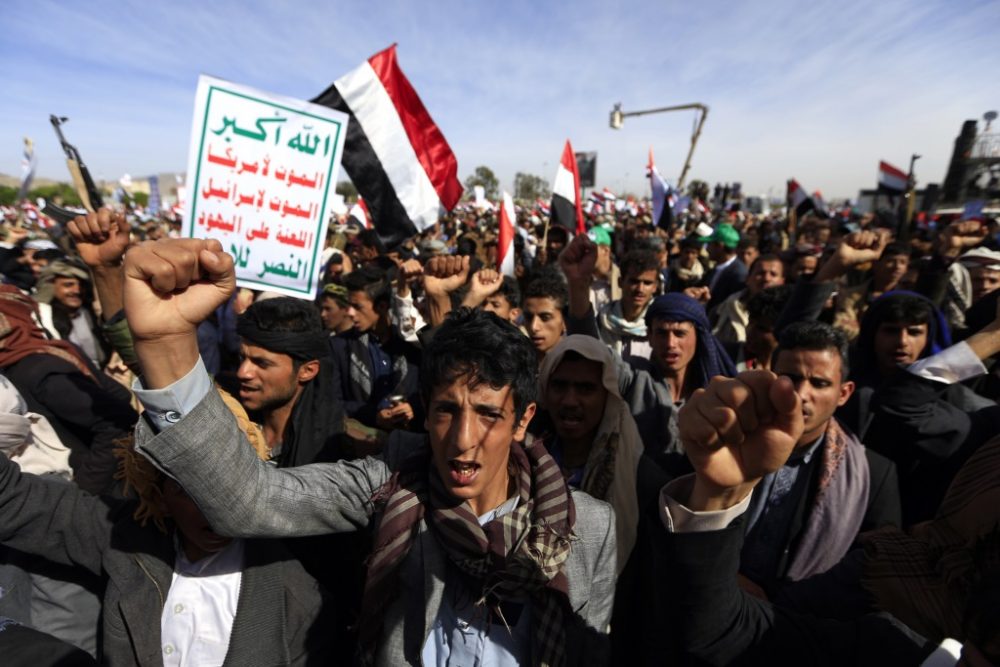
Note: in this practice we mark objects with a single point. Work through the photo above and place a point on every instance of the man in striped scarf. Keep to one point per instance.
(481, 553)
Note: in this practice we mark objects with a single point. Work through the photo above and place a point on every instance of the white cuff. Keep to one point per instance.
(679, 519)
(951, 365)
(166, 406)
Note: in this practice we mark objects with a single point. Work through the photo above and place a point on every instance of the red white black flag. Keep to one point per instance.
(566, 206)
(798, 200)
(891, 179)
(505, 244)
(394, 153)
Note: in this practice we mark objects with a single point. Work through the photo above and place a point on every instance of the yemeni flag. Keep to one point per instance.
(798, 200)
(505, 242)
(891, 179)
(566, 206)
(663, 196)
(359, 213)
(394, 152)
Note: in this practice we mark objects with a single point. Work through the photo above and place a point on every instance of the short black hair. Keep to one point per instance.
(639, 261)
(896, 248)
(489, 350)
(816, 336)
(548, 282)
(905, 309)
(49, 254)
(510, 291)
(372, 281)
(466, 247)
(370, 238)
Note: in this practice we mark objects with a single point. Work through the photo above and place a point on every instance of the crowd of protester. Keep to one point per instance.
(725, 439)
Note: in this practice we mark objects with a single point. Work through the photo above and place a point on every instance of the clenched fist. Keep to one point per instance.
(172, 285)
(101, 238)
(445, 274)
(578, 260)
(737, 430)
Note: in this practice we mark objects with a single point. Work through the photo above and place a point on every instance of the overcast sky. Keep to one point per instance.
(818, 91)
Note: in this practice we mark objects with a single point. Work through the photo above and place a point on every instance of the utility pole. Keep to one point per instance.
(618, 119)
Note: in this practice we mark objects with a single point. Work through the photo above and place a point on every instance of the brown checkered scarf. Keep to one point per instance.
(517, 556)
(924, 578)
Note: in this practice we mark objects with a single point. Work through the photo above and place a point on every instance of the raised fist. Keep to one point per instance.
(485, 282)
(172, 285)
(410, 270)
(958, 236)
(445, 274)
(101, 238)
(862, 247)
(737, 430)
(577, 261)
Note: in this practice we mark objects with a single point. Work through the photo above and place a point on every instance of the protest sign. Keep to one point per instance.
(262, 171)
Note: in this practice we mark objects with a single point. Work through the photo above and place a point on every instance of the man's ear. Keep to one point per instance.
(307, 371)
(846, 389)
(522, 426)
(515, 315)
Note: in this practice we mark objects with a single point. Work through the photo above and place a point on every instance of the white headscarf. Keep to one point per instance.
(617, 446)
(29, 438)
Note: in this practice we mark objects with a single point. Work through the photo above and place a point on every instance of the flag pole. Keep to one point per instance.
(792, 216)
(911, 200)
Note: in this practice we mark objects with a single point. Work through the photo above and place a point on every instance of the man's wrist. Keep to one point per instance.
(107, 268)
(706, 497)
(166, 359)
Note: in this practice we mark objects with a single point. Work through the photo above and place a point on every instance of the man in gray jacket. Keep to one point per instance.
(481, 554)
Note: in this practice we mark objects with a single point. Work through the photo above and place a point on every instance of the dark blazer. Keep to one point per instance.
(883, 504)
(280, 615)
(929, 435)
(716, 622)
(732, 279)
(365, 408)
(638, 621)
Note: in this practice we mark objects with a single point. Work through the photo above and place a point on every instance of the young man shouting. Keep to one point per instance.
(481, 553)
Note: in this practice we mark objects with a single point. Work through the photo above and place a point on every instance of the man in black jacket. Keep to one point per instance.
(378, 371)
(730, 274)
(805, 516)
(737, 432)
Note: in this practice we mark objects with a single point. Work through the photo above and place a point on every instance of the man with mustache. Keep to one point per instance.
(593, 437)
(805, 516)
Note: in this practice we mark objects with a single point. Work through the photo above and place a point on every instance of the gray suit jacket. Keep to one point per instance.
(243, 497)
(277, 615)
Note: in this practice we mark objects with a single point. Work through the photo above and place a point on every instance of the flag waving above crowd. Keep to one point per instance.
(395, 154)
(505, 236)
(891, 179)
(567, 209)
(663, 195)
